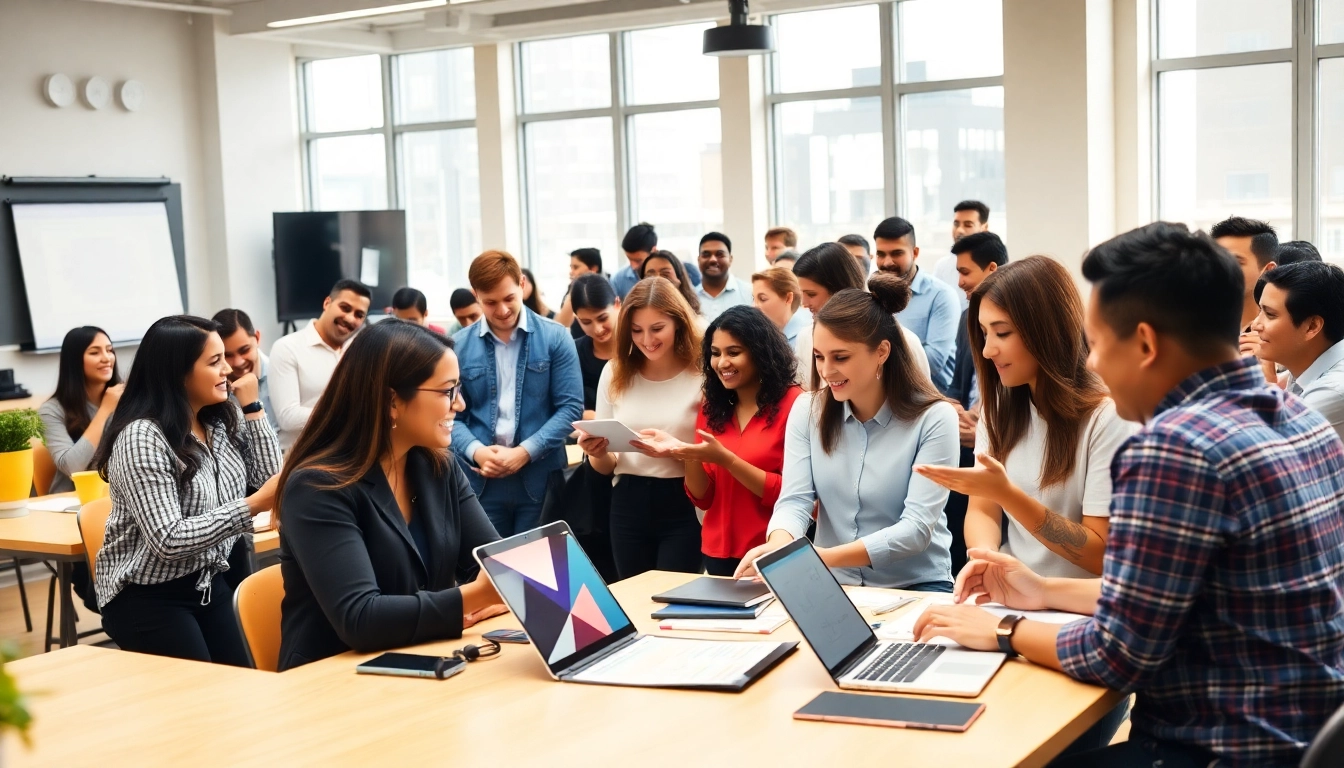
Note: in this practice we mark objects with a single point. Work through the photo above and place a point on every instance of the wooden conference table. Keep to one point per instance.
(54, 536)
(114, 708)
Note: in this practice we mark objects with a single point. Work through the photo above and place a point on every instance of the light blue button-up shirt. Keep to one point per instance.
(869, 492)
(932, 316)
(506, 375)
(1322, 386)
(800, 322)
(734, 294)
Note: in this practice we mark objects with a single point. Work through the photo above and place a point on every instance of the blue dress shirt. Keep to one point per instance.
(506, 374)
(626, 278)
(734, 294)
(869, 492)
(932, 316)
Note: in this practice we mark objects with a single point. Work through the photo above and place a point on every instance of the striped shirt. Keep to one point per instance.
(1222, 594)
(156, 533)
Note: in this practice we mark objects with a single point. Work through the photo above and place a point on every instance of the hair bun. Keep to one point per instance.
(890, 292)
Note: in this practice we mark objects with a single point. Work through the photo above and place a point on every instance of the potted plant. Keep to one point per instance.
(13, 708)
(17, 430)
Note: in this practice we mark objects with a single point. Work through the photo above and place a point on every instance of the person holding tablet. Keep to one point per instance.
(853, 445)
(1048, 433)
(377, 521)
(596, 308)
(733, 468)
(653, 382)
(180, 457)
(825, 271)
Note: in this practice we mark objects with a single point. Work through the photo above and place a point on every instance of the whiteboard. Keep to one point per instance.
(104, 264)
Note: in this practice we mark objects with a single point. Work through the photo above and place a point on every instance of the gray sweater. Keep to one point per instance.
(69, 455)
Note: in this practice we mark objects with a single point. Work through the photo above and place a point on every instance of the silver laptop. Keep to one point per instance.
(844, 641)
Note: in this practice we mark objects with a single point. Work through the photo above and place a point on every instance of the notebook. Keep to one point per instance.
(584, 636)
(764, 624)
(711, 590)
(692, 611)
(844, 641)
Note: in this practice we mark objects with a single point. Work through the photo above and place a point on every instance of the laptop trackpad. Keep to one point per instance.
(963, 668)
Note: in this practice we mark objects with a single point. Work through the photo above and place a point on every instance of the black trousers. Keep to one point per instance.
(956, 517)
(168, 620)
(653, 526)
(721, 566)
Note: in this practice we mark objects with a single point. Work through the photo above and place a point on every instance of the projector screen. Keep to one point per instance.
(104, 264)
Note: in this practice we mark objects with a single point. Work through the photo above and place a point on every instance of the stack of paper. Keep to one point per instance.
(771, 618)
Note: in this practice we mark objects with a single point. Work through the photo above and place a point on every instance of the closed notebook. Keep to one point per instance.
(690, 611)
(709, 590)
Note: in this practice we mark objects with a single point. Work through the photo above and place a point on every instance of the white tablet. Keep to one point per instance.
(618, 435)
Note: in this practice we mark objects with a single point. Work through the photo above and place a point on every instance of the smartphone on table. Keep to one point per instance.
(412, 665)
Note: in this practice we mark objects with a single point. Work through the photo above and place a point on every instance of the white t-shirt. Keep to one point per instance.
(805, 362)
(1087, 492)
(670, 405)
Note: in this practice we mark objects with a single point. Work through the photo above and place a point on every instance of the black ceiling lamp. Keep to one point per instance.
(739, 38)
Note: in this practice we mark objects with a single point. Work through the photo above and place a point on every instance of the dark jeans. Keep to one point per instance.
(1141, 752)
(509, 507)
(653, 526)
(168, 620)
(721, 566)
(1100, 734)
(931, 586)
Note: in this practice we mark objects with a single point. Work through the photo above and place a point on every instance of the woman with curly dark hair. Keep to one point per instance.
(733, 471)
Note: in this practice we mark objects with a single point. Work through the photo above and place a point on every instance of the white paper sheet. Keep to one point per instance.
(62, 504)
(671, 661)
(902, 626)
(771, 618)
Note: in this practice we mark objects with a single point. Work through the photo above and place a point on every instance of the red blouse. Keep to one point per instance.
(735, 518)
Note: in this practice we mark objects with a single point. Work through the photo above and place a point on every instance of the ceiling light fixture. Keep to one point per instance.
(359, 14)
(739, 38)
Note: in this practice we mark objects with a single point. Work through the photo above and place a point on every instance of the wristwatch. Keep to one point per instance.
(251, 408)
(1005, 633)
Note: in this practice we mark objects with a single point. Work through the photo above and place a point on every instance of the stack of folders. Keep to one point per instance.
(710, 604)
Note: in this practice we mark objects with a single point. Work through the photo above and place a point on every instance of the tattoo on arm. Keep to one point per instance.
(1068, 535)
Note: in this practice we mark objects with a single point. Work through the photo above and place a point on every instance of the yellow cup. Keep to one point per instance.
(89, 486)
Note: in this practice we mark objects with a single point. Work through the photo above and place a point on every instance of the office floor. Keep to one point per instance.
(12, 628)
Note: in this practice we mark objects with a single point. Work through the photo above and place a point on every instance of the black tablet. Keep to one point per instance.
(891, 711)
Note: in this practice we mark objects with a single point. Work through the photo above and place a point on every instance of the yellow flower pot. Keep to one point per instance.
(16, 481)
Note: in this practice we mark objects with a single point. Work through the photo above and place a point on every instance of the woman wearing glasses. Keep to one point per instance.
(377, 522)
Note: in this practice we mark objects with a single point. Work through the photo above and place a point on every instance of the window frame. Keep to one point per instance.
(890, 92)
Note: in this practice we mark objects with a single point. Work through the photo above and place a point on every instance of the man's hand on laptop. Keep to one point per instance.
(993, 577)
(967, 625)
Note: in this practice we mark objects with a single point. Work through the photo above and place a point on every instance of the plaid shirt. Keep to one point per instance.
(156, 533)
(1222, 594)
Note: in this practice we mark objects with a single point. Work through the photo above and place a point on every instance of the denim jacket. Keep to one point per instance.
(549, 398)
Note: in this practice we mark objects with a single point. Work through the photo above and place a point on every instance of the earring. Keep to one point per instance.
(879, 374)
(394, 425)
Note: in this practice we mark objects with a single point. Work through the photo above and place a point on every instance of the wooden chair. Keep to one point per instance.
(1327, 749)
(92, 520)
(256, 603)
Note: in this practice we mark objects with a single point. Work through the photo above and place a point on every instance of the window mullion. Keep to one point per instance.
(1305, 105)
(389, 139)
(892, 161)
(624, 183)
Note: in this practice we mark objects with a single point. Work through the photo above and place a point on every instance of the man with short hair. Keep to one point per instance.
(465, 308)
(1294, 251)
(719, 289)
(303, 361)
(638, 243)
(523, 389)
(857, 245)
(977, 256)
(969, 217)
(1301, 324)
(932, 312)
(582, 261)
(786, 260)
(777, 241)
(242, 351)
(1221, 600)
(1253, 244)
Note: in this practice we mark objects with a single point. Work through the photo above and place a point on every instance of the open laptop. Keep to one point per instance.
(583, 635)
(846, 645)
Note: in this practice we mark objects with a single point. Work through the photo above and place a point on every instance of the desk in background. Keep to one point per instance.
(128, 708)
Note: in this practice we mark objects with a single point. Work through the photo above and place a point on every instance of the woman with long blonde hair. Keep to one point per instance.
(653, 382)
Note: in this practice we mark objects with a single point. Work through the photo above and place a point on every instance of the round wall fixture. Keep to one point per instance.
(59, 90)
(97, 92)
(132, 95)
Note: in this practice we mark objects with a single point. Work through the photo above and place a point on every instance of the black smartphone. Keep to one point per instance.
(411, 665)
(507, 636)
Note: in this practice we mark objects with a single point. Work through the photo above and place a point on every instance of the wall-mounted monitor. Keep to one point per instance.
(315, 249)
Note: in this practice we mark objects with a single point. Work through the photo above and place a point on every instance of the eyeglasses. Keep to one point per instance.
(450, 392)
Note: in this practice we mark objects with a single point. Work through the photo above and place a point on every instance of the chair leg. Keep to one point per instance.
(23, 594)
(51, 612)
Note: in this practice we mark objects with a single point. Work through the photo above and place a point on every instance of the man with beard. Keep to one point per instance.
(718, 289)
(242, 351)
(933, 309)
(302, 362)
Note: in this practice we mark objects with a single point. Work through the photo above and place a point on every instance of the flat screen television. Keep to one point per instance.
(314, 249)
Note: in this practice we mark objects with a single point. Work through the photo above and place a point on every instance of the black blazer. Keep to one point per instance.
(353, 577)
(963, 366)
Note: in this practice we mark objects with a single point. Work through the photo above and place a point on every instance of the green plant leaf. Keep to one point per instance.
(17, 428)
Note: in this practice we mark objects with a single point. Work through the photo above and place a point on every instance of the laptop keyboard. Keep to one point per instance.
(900, 663)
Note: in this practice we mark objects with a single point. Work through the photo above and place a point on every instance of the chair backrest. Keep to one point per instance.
(92, 520)
(44, 469)
(256, 603)
(1327, 749)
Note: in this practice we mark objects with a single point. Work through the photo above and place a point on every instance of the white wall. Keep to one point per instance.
(233, 171)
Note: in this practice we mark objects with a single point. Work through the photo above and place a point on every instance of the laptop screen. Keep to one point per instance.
(553, 589)
(832, 625)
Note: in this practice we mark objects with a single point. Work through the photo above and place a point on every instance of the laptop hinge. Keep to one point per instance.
(849, 664)
(620, 645)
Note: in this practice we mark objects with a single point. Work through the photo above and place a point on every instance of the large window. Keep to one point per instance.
(415, 151)
(1250, 113)
(888, 107)
(617, 129)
